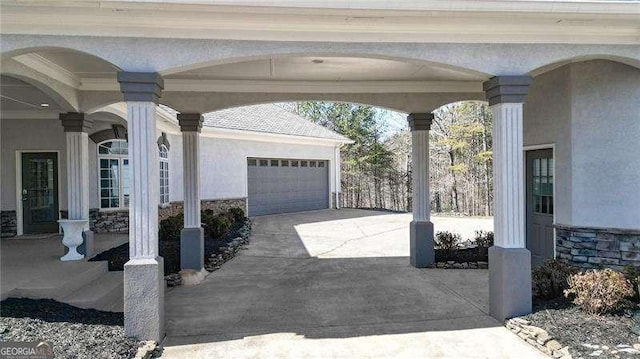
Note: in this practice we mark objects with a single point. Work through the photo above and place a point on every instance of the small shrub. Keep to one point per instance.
(599, 291)
(447, 241)
(206, 215)
(483, 240)
(218, 226)
(237, 214)
(170, 228)
(551, 279)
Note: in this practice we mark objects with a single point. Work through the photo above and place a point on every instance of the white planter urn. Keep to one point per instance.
(72, 238)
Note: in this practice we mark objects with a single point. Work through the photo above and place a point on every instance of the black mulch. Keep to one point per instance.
(73, 332)
(49, 310)
(585, 334)
(170, 251)
(462, 255)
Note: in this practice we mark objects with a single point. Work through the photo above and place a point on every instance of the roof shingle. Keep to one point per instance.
(268, 118)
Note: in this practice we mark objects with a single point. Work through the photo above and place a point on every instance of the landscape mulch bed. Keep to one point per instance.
(588, 336)
(170, 250)
(462, 255)
(73, 332)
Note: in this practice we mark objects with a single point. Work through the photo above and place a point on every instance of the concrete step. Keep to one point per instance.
(101, 294)
(67, 278)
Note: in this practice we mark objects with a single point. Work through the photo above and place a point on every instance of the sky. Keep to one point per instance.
(393, 122)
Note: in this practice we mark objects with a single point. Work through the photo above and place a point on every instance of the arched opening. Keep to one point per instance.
(23, 95)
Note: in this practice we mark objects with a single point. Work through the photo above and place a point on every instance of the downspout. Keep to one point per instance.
(336, 172)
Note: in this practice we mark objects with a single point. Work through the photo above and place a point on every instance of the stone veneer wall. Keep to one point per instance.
(118, 221)
(9, 224)
(598, 247)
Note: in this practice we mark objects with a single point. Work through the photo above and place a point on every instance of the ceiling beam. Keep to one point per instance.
(277, 86)
(49, 68)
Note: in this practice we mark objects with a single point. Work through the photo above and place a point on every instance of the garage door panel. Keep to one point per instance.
(283, 189)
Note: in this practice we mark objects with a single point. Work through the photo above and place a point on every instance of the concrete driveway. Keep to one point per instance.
(336, 284)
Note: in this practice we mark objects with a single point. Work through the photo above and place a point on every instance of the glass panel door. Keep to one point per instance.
(40, 192)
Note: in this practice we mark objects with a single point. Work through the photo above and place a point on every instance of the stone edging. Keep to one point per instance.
(463, 265)
(538, 338)
(146, 350)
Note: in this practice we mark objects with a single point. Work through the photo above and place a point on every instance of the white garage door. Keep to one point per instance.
(287, 185)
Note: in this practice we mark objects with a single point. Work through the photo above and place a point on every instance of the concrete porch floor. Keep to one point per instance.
(31, 268)
(337, 284)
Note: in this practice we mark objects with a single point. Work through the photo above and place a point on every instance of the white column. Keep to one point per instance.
(191, 173)
(76, 126)
(420, 176)
(508, 174)
(78, 175)
(144, 272)
(144, 180)
(422, 253)
(509, 260)
(192, 236)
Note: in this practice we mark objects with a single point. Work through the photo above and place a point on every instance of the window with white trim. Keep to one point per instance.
(113, 174)
(163, 155)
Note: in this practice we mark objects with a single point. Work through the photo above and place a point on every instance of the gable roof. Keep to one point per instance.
(269, 118)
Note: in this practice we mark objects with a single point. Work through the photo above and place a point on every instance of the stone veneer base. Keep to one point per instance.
(9, 223)
(588, 248)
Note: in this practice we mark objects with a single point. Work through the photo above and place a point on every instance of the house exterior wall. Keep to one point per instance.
(606, 145)
(223, 170)
(33, 135)
(30, 135)
(547, 120)
(223, 164)
(590, 112)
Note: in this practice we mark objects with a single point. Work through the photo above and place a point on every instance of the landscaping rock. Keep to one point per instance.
(73, 332)
(146, 350)
(536, 337)
(562, 330)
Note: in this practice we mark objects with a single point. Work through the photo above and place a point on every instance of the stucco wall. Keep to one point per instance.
(590, 112)
(223, 164)
(30, 135)
(547, 120)
(606, 144)
(222, 161)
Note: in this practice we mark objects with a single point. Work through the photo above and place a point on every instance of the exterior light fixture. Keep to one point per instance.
(44, 105)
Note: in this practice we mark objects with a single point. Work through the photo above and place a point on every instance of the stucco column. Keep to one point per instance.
(422, 252)
(192, 236)
(76, 128)
(144, 272)
(509, 260)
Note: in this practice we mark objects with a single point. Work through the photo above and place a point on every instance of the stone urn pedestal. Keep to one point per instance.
(72, 238)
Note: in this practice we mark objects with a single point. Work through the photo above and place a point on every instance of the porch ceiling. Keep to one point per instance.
(402, 85)
(18, 95)
(328, 68)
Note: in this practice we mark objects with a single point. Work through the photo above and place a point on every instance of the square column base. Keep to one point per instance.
(509, 282)
(192, 248)
(86, 247)
(144, 298)
(422, 253)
